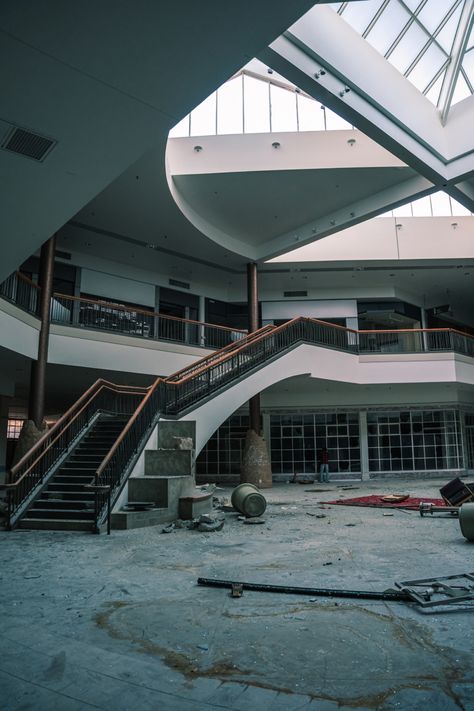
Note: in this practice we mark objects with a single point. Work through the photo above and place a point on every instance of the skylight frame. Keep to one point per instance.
(452, 67)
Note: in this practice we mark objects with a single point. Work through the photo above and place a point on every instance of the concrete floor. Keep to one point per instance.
(117, 622)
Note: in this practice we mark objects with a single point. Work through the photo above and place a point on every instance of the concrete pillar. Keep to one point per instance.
(424, 324)
(253, 321)
(3, 437)
(76, 305)
(156, 320)
(202, 318)
(364, 446)
(38, 367)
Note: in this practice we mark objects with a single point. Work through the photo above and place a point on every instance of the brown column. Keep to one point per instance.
(252, 301)
(38, 367)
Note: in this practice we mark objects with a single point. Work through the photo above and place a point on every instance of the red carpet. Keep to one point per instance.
(376, 501)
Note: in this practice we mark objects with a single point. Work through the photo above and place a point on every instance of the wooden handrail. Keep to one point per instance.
(126, 429)
(240, 347)
(138, 310)
(23, 277)
(236, 345)
(55, 432)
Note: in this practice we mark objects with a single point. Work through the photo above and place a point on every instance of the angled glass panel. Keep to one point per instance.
(335, 122)
(360, 14)
(388, 26)
(421, 207)
(427, 67)
(433, 93)
(403, 211)
(470, 42)
(256, 106)
(283, 108)
(461, 91)
(440, 205)
(468, 65)
(230, 116)
(181, 130)
(445, 36)
(203, 117)
(412, 4)
(408, 48)
(458, 209)
(434, 12)
(310, 114)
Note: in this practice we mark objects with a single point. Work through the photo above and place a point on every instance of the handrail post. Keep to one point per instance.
(108, 511)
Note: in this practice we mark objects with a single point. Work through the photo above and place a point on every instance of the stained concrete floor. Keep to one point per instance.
(118, 622)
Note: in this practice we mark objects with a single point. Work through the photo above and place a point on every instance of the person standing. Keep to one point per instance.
(324, 469)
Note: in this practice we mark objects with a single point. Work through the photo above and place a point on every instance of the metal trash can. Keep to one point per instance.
(247, 499)
(466, 521)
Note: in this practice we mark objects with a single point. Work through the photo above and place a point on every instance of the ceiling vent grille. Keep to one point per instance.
(28, 144)
(289, 294)
(181, 284)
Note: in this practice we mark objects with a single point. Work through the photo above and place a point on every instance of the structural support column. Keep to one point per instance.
(364, 447)
(38, 367)
(3, 437)
(202, 318)
(252, 301)
(424, 325)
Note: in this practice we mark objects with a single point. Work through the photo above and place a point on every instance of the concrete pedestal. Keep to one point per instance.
(256, 467)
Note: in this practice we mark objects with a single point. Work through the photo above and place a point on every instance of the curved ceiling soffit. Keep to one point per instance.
(382, 193)
(207, 228)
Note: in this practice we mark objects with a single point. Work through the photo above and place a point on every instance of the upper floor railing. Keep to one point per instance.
(105, 316)
(102, 315)
(21, 291)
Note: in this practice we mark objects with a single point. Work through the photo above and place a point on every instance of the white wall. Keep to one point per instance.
(327, 364)
(117, 288)
(335, 308)
(110, 351)
(148, 278)
(393, 238)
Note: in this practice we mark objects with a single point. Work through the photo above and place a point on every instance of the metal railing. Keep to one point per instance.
(21, 291)
(102, 315)
(119, 462)
(34, 469)
(191, 385)
(428, 340)
(185, 390)
(130, 321)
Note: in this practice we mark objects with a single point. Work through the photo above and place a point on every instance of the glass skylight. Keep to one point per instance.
(430, 42)
(252, 103)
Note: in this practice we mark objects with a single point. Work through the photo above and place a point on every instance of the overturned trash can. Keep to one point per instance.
(466, 521)
(247, 499)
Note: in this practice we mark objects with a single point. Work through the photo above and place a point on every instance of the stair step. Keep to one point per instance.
(68, 488)
(68, 494)
(60, 513)
(74, 504)
(73, 479)
(66, 503)
(44, 524)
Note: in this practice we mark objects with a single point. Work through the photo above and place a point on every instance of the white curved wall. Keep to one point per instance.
(327, 364)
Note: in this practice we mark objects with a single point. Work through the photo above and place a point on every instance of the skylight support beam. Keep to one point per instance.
(457, 53)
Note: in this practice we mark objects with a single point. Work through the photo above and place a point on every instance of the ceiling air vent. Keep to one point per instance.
(28, 144)
(181, 284)
(288, 294)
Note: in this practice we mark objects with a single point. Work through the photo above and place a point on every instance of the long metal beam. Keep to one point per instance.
(461, 38)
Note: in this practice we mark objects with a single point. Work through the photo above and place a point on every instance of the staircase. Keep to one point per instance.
(65, 503)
